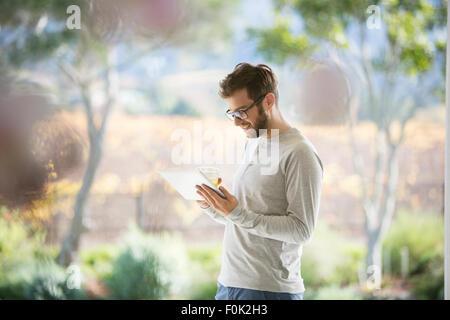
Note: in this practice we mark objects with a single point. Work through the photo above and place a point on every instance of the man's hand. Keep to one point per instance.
(204, 204)
(222, 205)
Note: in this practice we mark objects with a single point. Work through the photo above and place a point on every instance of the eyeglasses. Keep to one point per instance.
(242, 114)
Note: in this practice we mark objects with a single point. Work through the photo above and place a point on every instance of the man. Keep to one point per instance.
(267, 217)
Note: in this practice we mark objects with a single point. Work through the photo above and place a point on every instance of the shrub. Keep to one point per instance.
(205, 264)
(329, 259)
(40, 281)
(27, 267)
(346, 272)
(15, 246)
(208, 257)
(37, 282)
(423, 235)
(98, 262)
(147, 267)
(334, 292)
(204, 290)
(430, 284)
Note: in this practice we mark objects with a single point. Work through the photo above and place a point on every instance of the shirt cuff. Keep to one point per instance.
(236, 214)
(208, 209)
(211, 211)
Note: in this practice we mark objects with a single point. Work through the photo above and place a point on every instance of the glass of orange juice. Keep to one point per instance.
(211, 173)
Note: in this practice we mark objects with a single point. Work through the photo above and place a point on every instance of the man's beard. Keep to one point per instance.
(261, 121)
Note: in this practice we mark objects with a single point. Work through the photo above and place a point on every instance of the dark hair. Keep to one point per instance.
(258, 80)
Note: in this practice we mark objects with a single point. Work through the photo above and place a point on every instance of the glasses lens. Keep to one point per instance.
(238, 114)
(242, 115)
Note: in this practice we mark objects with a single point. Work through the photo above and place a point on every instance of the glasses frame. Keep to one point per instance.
(232, 115)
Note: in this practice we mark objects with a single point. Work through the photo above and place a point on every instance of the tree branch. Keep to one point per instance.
(358, 165)
(110, 91)
(390, 191)
(380, 144)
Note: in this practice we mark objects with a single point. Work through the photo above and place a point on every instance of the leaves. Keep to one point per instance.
(406, 45)
(278, 44)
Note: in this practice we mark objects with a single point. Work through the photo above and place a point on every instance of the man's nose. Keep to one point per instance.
(237, 121)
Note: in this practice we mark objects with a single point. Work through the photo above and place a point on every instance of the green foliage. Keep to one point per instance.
(18, 21)
(97, 262)
(277, 44)
(209, 257)
(333, 292)
(39, 281)
(28, 44)
(205, 267)
(205, 290)
(407, 23)
(202, 269)
(183, 108)
(409, 44)
(346, 272)
(423, 235)
(18, 248)
(430, 283)
(27, 267)
(326, 19)
(409, 33)
(331, 262)
(330, 259)
(147, 267)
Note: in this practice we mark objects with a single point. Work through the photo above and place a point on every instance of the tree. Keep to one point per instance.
(113, 36)
(391, 71)
(36, 145)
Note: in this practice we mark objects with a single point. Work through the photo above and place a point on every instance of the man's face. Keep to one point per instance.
(257, 118)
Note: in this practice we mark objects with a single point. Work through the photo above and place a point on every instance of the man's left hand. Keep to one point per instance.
(222, 205)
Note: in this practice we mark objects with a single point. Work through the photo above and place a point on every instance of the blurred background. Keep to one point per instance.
(95, 92)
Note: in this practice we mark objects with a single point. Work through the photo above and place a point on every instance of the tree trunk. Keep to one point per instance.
(140, 209)
(380, 206)
(72, 241)
(374, 259)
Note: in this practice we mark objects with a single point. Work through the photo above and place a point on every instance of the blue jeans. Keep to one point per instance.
(233, 293)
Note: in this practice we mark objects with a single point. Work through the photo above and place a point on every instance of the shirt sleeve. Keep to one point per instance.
(303, 177)
(216, 216)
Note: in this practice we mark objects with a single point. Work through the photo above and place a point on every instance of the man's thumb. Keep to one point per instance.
(225, 191)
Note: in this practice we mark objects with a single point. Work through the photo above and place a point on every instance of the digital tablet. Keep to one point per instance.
(184, 182)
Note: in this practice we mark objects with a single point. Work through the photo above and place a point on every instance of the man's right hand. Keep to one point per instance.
(203, 204)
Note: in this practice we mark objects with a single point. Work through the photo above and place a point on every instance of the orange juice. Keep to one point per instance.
(212, 174)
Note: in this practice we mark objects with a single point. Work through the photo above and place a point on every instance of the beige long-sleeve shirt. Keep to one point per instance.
(275, 217)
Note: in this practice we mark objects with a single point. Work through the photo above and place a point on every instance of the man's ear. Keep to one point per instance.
(270, 100)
